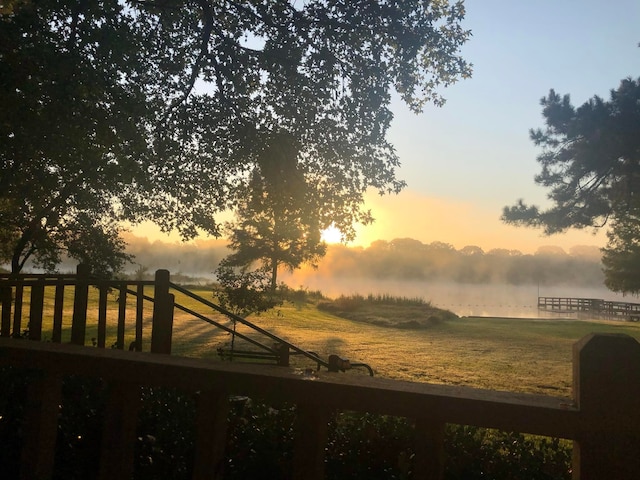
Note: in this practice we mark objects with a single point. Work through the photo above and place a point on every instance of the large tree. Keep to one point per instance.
(621, 256)
(161, 110)
(276, 224)
(591, 163)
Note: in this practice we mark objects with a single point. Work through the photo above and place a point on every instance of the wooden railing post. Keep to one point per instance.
(429, 448)
(17, 310)
(5, 328)
(311, 433)
(41, 426)
(35, 311)
(119, 431)
(162, 328)
(58, 311)
(211, 435)
(606, 382)
(80, 303)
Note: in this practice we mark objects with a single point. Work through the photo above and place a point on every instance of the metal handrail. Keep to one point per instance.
(247, 323)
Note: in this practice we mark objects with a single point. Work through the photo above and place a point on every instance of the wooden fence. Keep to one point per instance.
(15, 291)
(602, 418)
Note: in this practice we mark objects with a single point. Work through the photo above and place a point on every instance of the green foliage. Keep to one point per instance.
(277, 224)
(589, 160)
(591, 166)
(243, 291)
(166, 435)
(621, 257)
(260, 441)
(122, 110)
(385, 442)
(479, 453)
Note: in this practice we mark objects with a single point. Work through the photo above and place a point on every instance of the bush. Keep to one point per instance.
(260, 440)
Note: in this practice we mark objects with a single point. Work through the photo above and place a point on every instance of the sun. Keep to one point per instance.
(331, 235)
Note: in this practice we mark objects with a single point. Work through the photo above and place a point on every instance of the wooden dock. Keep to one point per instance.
(591, 307)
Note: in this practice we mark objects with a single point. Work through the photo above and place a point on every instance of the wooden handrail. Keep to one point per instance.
(602, 418)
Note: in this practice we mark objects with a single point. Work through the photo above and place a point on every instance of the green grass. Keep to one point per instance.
(523, 355)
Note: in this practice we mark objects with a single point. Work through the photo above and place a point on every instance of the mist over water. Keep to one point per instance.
(494, 300)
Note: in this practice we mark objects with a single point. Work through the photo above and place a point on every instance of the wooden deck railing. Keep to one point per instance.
(70, 293)
(603, 416)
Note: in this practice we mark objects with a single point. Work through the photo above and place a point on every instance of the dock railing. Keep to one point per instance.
(592, 307)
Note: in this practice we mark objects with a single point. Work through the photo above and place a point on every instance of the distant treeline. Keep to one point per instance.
(409, 259)
(402, 259)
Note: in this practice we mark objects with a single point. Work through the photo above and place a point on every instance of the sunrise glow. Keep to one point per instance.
(331, 235)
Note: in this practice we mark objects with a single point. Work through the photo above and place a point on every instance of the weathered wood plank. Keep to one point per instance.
(122, 313)
(80, 303)
(211, 435)
(6, 298)
(36, 308)
(102, 316)
(58, 310)
(162, 329)
(527, 413)
(607, 392)
(310, 441)
(41, 422)
(119, 431)
(139, 317)
(429, 449)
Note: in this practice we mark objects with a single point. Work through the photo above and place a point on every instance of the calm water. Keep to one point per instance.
(463, 299)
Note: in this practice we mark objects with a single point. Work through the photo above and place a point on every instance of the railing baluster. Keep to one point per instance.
(41, 426)
(58, 310)
(36, 308)
(122, 313)
(429, 449)
(162, 328)
(102, 316)
(211, 435)
(139, 316)
(119, 431)
(5, 328)
(310, 441)
(17, 311)
(80, 305)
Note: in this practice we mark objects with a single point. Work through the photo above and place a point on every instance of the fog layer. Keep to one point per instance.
(467, 281)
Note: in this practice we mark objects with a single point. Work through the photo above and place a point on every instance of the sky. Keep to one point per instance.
(467, 160)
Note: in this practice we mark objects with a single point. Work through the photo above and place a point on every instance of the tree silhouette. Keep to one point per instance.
(591, 164)
(277, 224)
(590, 161)
(119, 110)
(621, 257)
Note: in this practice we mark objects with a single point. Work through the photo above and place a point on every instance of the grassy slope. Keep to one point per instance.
(504, 354)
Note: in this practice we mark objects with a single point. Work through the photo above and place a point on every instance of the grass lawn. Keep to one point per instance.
(525, 355)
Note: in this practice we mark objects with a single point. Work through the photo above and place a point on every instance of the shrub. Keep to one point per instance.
(260, 440)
